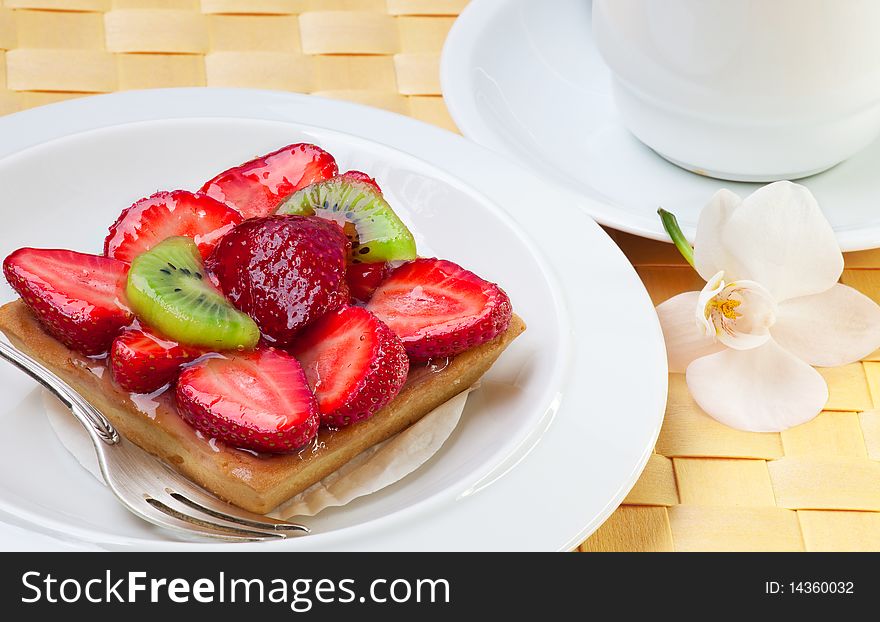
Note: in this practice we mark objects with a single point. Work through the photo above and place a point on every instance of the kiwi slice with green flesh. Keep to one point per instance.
(168, 289)
(378, 233)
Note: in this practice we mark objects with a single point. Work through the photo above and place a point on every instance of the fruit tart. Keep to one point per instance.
(261, 332)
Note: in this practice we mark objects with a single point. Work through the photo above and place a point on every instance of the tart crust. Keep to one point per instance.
(257, 483)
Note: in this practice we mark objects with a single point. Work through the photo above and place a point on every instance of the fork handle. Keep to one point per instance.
(95, 423)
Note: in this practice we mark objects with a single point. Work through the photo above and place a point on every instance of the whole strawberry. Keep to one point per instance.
(283, 271)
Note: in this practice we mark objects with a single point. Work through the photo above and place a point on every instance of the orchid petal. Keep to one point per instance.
(745, 341)
(684, 340)
(714, 286)
(765, 389)
(836, 327)
(779, 237)
(710, 256)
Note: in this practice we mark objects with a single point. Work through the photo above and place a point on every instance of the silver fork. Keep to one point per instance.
(145, 486)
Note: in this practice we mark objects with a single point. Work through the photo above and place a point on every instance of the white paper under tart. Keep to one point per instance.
(381, 465)
(370, 471)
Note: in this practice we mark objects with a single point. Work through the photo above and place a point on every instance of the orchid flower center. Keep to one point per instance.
(726, 307)
(739, 314)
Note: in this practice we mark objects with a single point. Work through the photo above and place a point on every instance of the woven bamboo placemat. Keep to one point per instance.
(706, 487)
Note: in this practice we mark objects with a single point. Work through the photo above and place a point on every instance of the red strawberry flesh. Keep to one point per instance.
(354, 363)
(439, 309)
(166, 214)
(142, 361)
(77, 297)
(283, 271)
(364, 278)
(361, 176)
(255, 188)
(259, 400)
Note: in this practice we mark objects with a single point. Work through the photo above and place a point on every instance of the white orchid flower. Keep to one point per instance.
(771, 308)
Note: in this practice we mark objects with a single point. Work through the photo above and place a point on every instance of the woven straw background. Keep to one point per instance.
(707, 487)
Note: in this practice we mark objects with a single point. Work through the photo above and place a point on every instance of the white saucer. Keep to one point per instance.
(547, 447)
(524, 78)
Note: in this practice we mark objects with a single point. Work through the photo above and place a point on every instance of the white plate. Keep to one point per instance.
(525, 79)
(548, 447)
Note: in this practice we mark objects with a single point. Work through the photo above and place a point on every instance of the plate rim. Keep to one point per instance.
(265, 100)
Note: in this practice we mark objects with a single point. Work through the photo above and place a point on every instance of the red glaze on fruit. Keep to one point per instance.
(78, 298)
(256, 188)
(439, 309)
(354, 363)
(361, 176)
(364, 278)
(166, 214)
(283, 271)
(259, 400)
(142, 361)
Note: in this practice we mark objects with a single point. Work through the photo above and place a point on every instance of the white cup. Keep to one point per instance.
(748, 90)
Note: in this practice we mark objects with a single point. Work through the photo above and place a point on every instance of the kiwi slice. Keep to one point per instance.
(168, 289)
(378, 234)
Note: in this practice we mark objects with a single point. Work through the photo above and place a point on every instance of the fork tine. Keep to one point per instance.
(153, 514)
(200, 499)
(186, 501)
(240, 518)
(142, 483)
(167, 516)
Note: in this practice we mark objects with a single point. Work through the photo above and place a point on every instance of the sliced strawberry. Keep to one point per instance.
(361, 176)
(283, 271)
(354, 363)
(142, 361)
(166, 214)
(256, 188)
(439, 309)
(259, 400)
(77, 297)
(364, 278)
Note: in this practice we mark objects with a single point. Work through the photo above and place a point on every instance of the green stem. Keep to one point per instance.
(670, 223)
